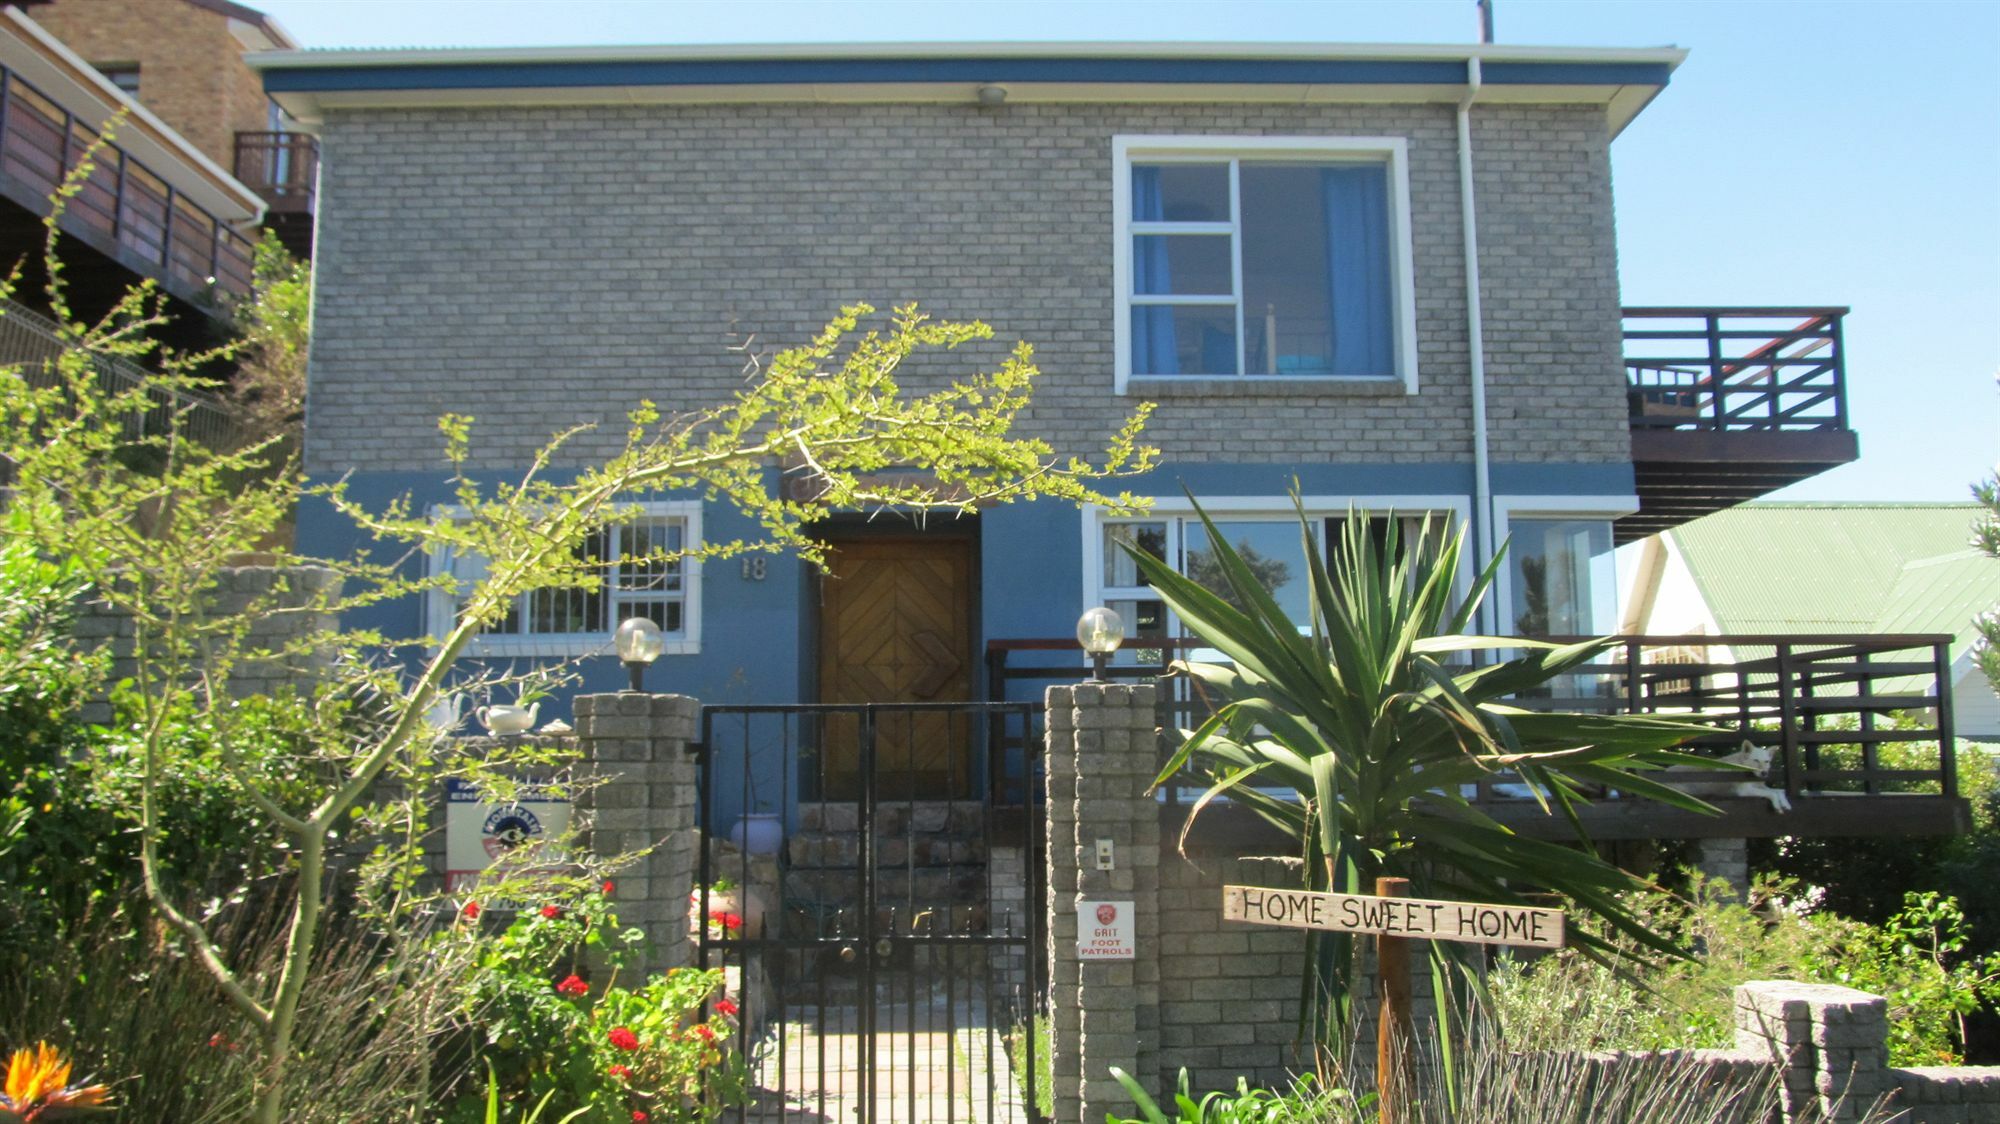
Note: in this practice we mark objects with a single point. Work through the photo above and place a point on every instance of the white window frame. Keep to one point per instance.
(1507, 508)
(1272, 509)
(1392, 151)
(441, 608)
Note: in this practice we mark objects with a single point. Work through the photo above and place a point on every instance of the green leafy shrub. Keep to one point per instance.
(1304, 1103)
(1917, 961)
(557, 1028)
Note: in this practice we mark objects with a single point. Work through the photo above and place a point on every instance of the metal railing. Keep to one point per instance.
(1729, 369)
(32, 341)
(1829, 707)
(122, 203)
(281, 167)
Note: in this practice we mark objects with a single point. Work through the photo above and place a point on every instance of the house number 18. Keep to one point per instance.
(754, 567)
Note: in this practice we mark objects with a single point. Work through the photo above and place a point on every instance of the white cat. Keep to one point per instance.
(1754, 784)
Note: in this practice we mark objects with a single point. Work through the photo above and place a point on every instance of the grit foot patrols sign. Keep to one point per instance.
(1104, 931)
(478, 833)
(1416, 918)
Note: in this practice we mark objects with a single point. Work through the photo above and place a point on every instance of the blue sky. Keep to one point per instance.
(1821, 153)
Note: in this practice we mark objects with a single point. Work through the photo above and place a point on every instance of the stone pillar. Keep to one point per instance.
(1103, 753)
(1726, 860)
(1830, 1042)
(635, 749)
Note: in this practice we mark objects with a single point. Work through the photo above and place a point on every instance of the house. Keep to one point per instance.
(183, 60)
(1276, 244)
(1816, 569)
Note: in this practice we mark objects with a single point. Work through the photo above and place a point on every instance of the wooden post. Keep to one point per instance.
(1392, 1021)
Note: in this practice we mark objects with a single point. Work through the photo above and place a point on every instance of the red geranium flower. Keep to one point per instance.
(702, 1032)
(572, 985)
(728, 921)
(623, 1038)
(620, 1072)
(725, 1008)
(551, 912)
(609, 885)
(639, 1117)
(470, 911)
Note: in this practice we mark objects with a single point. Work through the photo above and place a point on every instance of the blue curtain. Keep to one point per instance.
(1153, 350)
(1357, 252)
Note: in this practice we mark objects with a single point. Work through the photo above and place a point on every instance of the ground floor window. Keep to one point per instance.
(1564, 581)
(1269, 538)
(646, 571)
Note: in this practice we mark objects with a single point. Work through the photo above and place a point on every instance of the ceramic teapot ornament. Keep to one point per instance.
(501, 718)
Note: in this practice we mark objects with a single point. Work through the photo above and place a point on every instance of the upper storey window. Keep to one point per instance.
(1260, 257)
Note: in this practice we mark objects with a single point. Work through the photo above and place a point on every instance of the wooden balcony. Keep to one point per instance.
(1859, 728)
(283, 168)
(1729, 404)
(124, 210)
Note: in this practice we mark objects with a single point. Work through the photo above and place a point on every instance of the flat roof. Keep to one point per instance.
(1622, 80)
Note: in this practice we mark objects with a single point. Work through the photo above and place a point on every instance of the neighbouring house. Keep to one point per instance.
(1274, 243)
(184, 61)
(1825, 569)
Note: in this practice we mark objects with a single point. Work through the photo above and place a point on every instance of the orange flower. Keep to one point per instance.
(38, 1079)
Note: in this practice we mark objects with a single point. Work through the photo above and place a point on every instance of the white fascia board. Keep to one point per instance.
(42, 60)
(1452, 52)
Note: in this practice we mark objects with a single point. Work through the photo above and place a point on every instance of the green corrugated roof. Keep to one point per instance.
(1841, 567)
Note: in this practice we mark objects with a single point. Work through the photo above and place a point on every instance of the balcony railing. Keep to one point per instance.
(281, 167)
(1843, 715)
(32, 341)
(123, 206)
(1732, 369)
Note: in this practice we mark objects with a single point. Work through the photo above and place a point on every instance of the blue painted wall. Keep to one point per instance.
(754, 634)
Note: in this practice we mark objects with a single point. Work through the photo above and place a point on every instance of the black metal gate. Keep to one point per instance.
(887, 958)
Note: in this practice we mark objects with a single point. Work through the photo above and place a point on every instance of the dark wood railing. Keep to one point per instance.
(1829, 707)
(122, 205)
(281, 167)
(1729, 369)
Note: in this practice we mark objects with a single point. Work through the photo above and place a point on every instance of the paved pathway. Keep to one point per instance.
(937, 1060)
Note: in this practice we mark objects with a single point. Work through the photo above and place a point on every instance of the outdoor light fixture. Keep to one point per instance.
(639, 643)
(1100, 631)
(991, 95)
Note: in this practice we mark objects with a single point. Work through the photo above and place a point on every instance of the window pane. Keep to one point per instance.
(638, 569)
(1562, 576)
(1183, 340)
(666, 614)
(1272, 551)
(1190, 264)
(1119, 569)
(1316, 277)
(1180, 192)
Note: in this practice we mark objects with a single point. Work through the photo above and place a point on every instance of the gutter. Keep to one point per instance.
(1475, 344)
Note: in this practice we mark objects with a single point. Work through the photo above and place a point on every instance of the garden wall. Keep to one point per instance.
(1221, 998)
(297, 593)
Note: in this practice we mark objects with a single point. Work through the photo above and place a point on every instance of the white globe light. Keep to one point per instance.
(640, 641)
(1100, 631)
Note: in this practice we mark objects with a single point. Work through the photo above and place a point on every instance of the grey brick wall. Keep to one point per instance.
(543, 266)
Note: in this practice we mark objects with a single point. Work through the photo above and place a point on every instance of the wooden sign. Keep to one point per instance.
(1416, 918)
(1395, 920)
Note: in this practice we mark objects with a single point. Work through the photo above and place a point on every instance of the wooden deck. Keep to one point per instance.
(1859, 729)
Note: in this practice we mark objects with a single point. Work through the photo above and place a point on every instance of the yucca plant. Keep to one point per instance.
(1360, 738)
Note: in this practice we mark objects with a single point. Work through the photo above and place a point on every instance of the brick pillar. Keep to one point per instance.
(1102, 755)
(635, 746)
(1831, 1043)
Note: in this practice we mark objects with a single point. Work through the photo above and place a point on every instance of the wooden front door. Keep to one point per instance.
(896, 627)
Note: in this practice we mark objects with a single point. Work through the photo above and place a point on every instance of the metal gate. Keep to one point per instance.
(886, 956)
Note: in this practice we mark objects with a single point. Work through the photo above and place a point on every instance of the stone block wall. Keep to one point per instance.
(635, 749)
(292, 603)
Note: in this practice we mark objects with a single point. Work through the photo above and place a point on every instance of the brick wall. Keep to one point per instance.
(191, 70)
(542, 266)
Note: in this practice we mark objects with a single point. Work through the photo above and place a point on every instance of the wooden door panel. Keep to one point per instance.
(896, 627)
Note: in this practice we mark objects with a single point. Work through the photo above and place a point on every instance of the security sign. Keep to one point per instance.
(1104, 931)
(479, 833)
